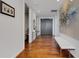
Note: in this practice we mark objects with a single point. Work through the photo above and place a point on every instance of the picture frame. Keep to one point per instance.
(7, 9)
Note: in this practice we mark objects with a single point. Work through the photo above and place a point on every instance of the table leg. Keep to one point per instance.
(60, 52)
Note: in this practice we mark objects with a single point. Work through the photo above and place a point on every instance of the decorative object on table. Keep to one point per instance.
(34, 26)
(7, 9)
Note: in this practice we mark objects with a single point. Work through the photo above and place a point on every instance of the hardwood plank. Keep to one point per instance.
(42, 47)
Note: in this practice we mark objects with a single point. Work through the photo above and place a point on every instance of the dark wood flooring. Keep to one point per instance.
(42, 47)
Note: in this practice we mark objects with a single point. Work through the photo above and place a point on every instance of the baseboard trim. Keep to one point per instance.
(19, 53)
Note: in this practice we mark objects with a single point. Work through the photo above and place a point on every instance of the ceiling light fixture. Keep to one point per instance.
(58, 0)
(71, 0)
(38, 11)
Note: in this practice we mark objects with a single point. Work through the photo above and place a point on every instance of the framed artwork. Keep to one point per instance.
(7, 9)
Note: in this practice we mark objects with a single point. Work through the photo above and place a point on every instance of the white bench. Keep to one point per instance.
(69, 43)
(64, 44)
(75, 52)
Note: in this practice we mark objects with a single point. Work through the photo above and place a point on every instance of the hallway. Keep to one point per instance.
(42, 47)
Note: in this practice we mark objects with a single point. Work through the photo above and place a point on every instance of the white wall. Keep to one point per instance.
(72, 29)
(32, 33)
(12, 30)
(55, 23)
(38, 26)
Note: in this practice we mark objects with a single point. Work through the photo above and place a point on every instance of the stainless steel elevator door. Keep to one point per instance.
(46, 26)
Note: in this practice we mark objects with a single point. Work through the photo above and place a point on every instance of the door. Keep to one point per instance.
(46, 26)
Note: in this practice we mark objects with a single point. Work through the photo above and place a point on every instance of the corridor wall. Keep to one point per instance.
(12, 30)
(72, 29)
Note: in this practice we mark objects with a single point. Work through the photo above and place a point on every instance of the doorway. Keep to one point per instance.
(26, 24)
(46, 27)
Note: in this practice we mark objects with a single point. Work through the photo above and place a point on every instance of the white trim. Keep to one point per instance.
(18, 53)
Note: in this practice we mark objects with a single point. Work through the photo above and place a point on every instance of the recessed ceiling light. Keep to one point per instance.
(38, 11)
(58, 0)
(71, 0)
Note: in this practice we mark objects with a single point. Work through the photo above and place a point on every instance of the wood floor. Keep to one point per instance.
(42, 47)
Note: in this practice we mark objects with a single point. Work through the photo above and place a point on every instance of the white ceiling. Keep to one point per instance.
(44, 7)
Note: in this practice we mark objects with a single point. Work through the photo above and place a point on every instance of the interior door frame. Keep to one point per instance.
(26, 32)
